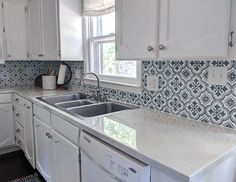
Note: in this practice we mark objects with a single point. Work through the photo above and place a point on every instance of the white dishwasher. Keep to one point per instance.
(101, 162)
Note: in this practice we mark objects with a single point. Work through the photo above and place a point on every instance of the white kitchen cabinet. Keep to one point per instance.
(70, 29)
(23, 115)
(136, 29)
(50, 30)
(65, 159)
(55, 28)
(15, 23)
(35, 30)
(43, 32)
(29, 133)
(43, 147)
(194, 29)
(232, 31)
(7, 137)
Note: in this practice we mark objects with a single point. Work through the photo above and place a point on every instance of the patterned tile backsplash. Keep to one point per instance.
(183, 87)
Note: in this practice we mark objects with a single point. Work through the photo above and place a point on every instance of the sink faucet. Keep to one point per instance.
(98, 92)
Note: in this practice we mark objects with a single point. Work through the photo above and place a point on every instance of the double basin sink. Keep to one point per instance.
(83, 106)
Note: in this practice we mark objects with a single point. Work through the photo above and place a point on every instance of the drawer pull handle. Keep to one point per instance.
(18, 131)
(17, 114)
(19, 142)
(49, 135)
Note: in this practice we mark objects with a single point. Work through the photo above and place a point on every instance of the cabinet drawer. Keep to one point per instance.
(19, 131)
(42, 114)
(5, 98)
(19, 115)
(66, 129)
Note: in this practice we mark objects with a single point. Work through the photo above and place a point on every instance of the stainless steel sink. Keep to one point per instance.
(83, 106)
(97, 109)
(75, 103)
(63, 98)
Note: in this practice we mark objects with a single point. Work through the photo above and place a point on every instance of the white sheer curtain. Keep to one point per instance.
(98, 7)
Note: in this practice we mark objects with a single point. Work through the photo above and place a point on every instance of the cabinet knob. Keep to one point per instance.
(16, 100)
(150, 48)
(19, 142)
(40, 55)
(9, 55)
(17, 114)
(162, 47)
(18, 131)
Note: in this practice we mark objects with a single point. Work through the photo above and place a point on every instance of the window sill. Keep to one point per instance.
(116, 85)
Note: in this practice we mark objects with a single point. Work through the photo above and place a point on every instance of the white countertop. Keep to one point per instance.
(185, 146)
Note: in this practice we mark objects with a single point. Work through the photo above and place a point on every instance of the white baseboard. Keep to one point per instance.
(9, 149)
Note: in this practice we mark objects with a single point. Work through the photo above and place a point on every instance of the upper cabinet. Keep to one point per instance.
(15, 29)
(70, 29)
(136, 29)
(172, 29)
(232, 32)
(194, 29)
(43, 31)
(55, 28)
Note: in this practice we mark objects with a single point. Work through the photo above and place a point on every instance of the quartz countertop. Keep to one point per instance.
(185, 146)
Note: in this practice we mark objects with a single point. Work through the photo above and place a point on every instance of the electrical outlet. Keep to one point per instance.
(217, 75)
(152, 83)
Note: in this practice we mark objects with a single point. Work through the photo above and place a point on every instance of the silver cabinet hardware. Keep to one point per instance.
(28, 107)
(18, 131)
(231, 44)
(150, 48)
(9, 55)
(37, 125)
(19, 142)
(49, 135)
(161, 47)
(16, 100)
(17, 114)
(40, 55)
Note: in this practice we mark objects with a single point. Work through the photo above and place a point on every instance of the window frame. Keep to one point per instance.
(119, 82)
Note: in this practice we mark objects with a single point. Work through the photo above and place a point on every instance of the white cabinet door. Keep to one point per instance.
(194, 29)
(50, 30)
(65, 160)
(136, 29)
(43, 146)
(70, 25)
(29, 133)
(7, 136)
(35, 30)
(232, 48)
(16, 29)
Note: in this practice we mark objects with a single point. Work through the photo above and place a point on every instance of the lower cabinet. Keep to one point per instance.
(65, 159)
(56, 147)
(43, 147)
(7, 137)
(23, 116)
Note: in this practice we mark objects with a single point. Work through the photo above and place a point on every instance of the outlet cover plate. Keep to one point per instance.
(152, 83)
(217, 75)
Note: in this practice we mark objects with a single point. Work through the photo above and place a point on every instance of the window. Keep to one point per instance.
(101, 53)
